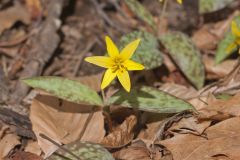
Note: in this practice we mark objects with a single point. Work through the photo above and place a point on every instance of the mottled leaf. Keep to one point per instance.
(186, 56)
(229, 38)
(207, 6)
(84, 151)
(149, 99)
(66, 89)
(147, 52)
(140, 11)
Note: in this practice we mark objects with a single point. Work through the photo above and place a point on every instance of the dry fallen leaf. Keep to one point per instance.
(207, 37)
(7, 143)
(33, 147)
(122, 134)
(25, 156)
(190, 125)
(179, 91)
(10, 16)
(133, 153)
(92, 81)
(221, 109)
(63, 122)
(8, 139)
(220, 139)
(35, 8)
(204, 39)
(220, 70)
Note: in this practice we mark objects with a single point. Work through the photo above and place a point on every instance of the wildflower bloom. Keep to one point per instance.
(236, 32)
(179, 1)
(117, 64)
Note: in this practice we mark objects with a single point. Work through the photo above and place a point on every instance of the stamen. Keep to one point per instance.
(118, 65)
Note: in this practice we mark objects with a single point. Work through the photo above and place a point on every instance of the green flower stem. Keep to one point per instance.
(163, 9)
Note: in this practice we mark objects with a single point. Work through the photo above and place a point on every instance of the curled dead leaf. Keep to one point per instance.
(122, 134)
(220, 139)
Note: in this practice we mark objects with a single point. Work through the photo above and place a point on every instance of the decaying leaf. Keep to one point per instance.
(13, 14)
(133, 153)
(92, 81)
(7, 143)
(190, 125)
(221, 109)
(121, 135)
(220, 70)
(179, 91)
(25, 156)
(33, 147)
(221, 139)
(64, 122)
(35, 8)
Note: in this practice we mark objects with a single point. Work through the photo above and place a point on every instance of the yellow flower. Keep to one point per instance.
(179, 1)
(236, 32)
(117, 64)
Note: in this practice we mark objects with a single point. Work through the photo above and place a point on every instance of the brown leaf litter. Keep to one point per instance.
(64, 122)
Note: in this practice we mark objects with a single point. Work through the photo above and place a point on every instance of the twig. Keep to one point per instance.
(104, 15)
(82, 55)
(163, 10)
(116, 5)
(86, 123)
(61, 147)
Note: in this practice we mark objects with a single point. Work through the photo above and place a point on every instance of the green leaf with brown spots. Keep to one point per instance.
(207, 6)
(186, 56)
(82, 151)
(149, 99)
(66, 89)
(140, 11)
(222, 49)
(148, 52)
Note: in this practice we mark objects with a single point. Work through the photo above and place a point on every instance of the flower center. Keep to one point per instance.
(118, 65)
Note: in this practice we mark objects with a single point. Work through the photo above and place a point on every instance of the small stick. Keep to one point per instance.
(61, 147)
(86, 124)
(163, 9)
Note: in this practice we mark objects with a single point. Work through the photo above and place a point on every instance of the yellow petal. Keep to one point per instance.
(111, 47)
(101, 61)
(128, 51)
(237, 41)
(179, 1)
(131, 65)
(235, 29)
(124, 79)
(107, 78)
(230, 48)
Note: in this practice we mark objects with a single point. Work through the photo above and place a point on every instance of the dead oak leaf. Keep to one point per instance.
(221, 139)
